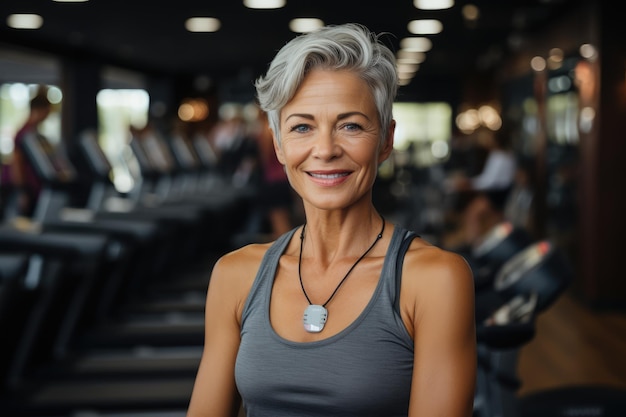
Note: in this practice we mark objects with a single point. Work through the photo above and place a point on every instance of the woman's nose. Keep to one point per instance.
(326, 146)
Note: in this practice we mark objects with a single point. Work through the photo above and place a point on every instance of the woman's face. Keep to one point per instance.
(330, 143)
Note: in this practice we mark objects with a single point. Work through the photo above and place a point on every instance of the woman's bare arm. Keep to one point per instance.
(438, 289)
(214, 393)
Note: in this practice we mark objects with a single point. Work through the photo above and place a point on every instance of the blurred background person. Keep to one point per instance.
(481, 198)
(20, 184)
(276, 197)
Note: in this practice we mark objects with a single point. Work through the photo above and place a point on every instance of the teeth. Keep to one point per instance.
(327, 176)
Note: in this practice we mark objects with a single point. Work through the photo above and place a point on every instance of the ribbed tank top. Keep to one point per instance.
(365, 370)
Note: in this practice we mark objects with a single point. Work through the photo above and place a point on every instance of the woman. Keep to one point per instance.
(313, 324)
(19, 180)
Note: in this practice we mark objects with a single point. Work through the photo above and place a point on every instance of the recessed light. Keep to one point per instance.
(202, 24)
(425, 27)
(419, 44)
(433, 4)
(305, 24)
(24, 21)
(264, 4)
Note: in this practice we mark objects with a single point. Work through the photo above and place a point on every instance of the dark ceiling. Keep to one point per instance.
(149, 36)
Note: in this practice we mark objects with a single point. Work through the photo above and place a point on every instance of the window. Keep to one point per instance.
(423, 130)
(118, 111)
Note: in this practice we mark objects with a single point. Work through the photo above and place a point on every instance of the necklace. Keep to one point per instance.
(315, 315)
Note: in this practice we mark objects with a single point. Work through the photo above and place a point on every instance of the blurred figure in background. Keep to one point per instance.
(276, 196)
(235, 148)
(20, 184)
(483, 196)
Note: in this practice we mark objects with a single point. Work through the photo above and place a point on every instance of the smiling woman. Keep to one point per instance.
(328, 154)
(347, 314)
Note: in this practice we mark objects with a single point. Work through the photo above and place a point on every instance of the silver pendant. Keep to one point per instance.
(314, 318)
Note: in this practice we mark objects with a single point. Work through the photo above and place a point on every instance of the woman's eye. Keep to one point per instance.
(302, 128)
(352, 126)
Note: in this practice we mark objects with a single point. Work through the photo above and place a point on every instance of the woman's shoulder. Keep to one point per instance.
(431, 266)
(241, 261)
(245, 261)
(436, 284)
(233, 274)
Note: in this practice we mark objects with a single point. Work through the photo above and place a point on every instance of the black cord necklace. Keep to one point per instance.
(315, 315)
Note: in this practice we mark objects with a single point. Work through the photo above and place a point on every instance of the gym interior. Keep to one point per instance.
(149, 172)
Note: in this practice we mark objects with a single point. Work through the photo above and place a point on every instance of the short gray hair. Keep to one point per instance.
(350, 47)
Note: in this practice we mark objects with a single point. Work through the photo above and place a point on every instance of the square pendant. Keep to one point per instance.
(314, 318)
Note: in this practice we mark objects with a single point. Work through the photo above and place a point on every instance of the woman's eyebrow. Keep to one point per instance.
(352, 113)
(303, 115)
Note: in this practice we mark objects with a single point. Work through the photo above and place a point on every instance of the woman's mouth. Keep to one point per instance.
(329, 178)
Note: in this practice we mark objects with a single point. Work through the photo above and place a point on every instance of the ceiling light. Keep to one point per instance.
(304, 25)
(70, 1)
(470, 12)
(425, 27)
(433, 4)
(413, 56)
(24, 21)
(408, 68)
(400, 62)
(264, 4)
(202, 24)
(588, 51)
(419, 44)
(55, 95)
(538, 64)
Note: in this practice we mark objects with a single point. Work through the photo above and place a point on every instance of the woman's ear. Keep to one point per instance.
(387, 146)
(278, 149)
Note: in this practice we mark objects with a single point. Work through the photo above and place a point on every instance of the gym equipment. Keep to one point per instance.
(498, 245)
(486, 257)
(528, 283)
(46, 288)
(539, 269)
(61, 366)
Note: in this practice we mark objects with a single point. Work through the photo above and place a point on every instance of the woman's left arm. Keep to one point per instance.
(438, 298)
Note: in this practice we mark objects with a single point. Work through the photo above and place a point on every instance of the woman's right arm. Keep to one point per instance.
(214, 392)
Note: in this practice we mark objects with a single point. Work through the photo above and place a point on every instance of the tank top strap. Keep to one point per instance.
(267, 270)
(400, 242)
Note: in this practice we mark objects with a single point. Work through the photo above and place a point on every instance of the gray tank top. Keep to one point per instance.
(365, 370)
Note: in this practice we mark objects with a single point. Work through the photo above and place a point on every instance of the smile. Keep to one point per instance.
(328, 176)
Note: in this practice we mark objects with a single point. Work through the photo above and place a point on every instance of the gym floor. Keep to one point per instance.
(574, 345)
